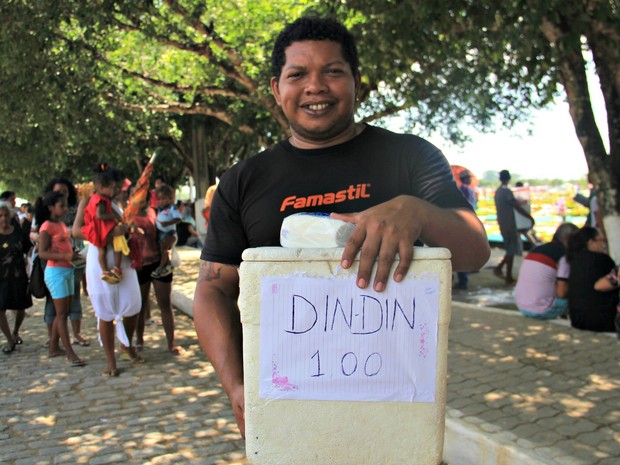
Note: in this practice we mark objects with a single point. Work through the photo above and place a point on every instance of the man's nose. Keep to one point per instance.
(316, 83)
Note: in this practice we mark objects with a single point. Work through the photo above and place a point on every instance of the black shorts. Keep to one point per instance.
(144, 275)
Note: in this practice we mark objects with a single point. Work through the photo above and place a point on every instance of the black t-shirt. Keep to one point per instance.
(588, 308)
(182, 233)
(254, 196)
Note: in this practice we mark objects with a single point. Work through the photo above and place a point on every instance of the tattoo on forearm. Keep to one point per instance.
(209, 272)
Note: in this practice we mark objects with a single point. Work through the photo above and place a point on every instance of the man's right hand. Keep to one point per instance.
(237, 401)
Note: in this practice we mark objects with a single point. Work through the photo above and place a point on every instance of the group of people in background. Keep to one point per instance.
(74, 241)
(571, 276)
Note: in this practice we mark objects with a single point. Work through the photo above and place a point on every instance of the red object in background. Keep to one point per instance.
(458, 169)
(139, 194)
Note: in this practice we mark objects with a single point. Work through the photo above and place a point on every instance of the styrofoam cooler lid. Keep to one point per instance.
(281, 254)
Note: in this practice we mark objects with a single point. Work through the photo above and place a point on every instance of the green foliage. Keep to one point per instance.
(110, 79)
(54, 118)
(453, 63)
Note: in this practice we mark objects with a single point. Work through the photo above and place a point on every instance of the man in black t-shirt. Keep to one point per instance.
(395, 188)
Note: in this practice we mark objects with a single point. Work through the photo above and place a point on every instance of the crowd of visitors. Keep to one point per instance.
(571, 277)
(74, 240)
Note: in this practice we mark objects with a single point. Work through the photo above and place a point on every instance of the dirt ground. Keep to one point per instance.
(486, 289)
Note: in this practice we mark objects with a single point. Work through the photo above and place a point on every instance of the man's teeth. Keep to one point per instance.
(319, 106)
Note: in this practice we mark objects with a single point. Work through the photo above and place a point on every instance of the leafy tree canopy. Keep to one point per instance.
(83, 80)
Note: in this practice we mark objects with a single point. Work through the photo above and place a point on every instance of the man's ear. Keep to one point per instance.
(275, 89)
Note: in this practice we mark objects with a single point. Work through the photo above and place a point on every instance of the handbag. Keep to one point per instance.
(36, 285)
(175, 258)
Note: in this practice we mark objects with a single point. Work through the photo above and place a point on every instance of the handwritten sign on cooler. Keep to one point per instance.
(326, 339)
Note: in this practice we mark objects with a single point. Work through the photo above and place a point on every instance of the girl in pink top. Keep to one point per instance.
(99, 221)
(55, 247)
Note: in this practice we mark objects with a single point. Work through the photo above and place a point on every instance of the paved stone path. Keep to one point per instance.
(545, 388)
(170, 410)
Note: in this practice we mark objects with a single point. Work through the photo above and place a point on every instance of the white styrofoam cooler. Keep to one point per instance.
(338, 432)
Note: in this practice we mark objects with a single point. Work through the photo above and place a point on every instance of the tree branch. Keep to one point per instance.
(176, 147)
(207, 91)
(392, 110)
(200, 49)
(235, 69)
(181, 109)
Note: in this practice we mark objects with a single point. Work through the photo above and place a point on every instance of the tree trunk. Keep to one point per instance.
(200, 156)
(603, 167)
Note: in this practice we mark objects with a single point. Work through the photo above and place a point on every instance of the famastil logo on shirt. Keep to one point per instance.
(353, 192)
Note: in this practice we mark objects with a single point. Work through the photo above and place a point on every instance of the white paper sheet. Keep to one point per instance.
(326, 339)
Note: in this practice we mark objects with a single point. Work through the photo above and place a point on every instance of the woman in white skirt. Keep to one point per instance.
(116, 305)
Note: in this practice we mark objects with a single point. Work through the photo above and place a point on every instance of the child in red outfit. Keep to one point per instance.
(99, 221)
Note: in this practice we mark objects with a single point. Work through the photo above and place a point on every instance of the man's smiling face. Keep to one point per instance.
(316, 90)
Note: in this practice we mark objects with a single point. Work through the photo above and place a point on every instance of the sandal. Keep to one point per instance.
(18, 340)
(111, 373)
(177, 350)
(131, 354)
(116, 271)
(137, 359)
(110, 277)
(9, 349)
(81, 342)
(77, 362)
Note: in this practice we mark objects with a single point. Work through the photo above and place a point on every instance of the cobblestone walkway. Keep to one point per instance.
(168, 410)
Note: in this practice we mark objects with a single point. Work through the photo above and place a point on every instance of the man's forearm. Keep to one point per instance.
(218, 326)
(460, 231)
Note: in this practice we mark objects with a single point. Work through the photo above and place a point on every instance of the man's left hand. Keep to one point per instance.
(381, 232)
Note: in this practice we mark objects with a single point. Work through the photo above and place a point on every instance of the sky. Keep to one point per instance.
(550, 150)
(545, 146)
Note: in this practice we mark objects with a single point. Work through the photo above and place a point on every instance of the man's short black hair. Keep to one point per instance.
(314, 28)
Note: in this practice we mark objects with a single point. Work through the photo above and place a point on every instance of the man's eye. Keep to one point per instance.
(334, 71)
(294, 75)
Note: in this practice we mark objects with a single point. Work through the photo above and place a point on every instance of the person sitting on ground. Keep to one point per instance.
(590, 308)
(167, 218)
(542, 285)
(611, 282)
